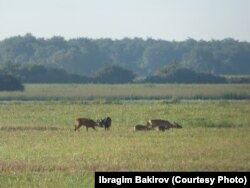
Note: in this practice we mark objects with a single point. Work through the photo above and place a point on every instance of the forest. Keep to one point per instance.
(83, 60)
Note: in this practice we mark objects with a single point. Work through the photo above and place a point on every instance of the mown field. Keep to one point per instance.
(39, 148)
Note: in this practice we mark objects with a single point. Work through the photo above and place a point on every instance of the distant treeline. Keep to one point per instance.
(113, 74)
(36, 60)
(12, 76)
(85, 56)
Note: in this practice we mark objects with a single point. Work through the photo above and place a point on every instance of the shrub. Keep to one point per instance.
(10, 83)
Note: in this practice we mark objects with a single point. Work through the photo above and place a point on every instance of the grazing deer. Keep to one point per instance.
(141, 128)
(105, 123)
(162, 125)
(85, 122)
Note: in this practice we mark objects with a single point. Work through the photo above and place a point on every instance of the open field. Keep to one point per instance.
(38, 147)
(114, 93)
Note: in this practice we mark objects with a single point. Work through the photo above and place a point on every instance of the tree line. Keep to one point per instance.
(85, 56)
(36, 60)
(12, 76)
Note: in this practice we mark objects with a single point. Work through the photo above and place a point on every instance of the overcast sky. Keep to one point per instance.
(159, 19)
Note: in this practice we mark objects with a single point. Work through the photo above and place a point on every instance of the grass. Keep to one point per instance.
(38, 147)
(63, 115)
(114, 93)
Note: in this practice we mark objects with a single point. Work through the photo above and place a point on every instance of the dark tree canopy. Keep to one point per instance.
(10, 83)
(56, 60)
(114, 74)
(85, 56)
(33, 73)
(177, 74)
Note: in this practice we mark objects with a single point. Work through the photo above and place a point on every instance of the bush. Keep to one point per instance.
(114, 74)
(41, 74)
(10, 83)
(175, 74)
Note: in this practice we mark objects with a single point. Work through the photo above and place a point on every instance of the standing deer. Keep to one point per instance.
(85, 122)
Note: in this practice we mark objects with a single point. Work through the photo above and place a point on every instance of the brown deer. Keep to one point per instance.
(85, 122)
(141, 128)
(161, 125)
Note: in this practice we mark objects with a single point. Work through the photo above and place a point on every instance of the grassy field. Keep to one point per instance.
(39, 148)
(115, 93)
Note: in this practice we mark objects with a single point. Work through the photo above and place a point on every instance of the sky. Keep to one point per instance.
(172, 20)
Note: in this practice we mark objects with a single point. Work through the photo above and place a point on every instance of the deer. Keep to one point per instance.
(85, 122)
(141, 128)
(105, 123)
(162, 125)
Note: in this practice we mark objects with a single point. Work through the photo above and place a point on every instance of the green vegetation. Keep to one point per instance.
(56, 60)
(237, 78)
(10, 83)
(85, 56)
(113, 74)
(95, 93)
(176, 74)
(38, 144)
(39, 148)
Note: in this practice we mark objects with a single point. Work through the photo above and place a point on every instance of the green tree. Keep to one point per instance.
(41, 74)
(85, 56)
(177, 74)
(10, 83)
(113, 74)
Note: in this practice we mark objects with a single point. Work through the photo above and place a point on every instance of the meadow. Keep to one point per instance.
(39, 147)
(114, 93)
